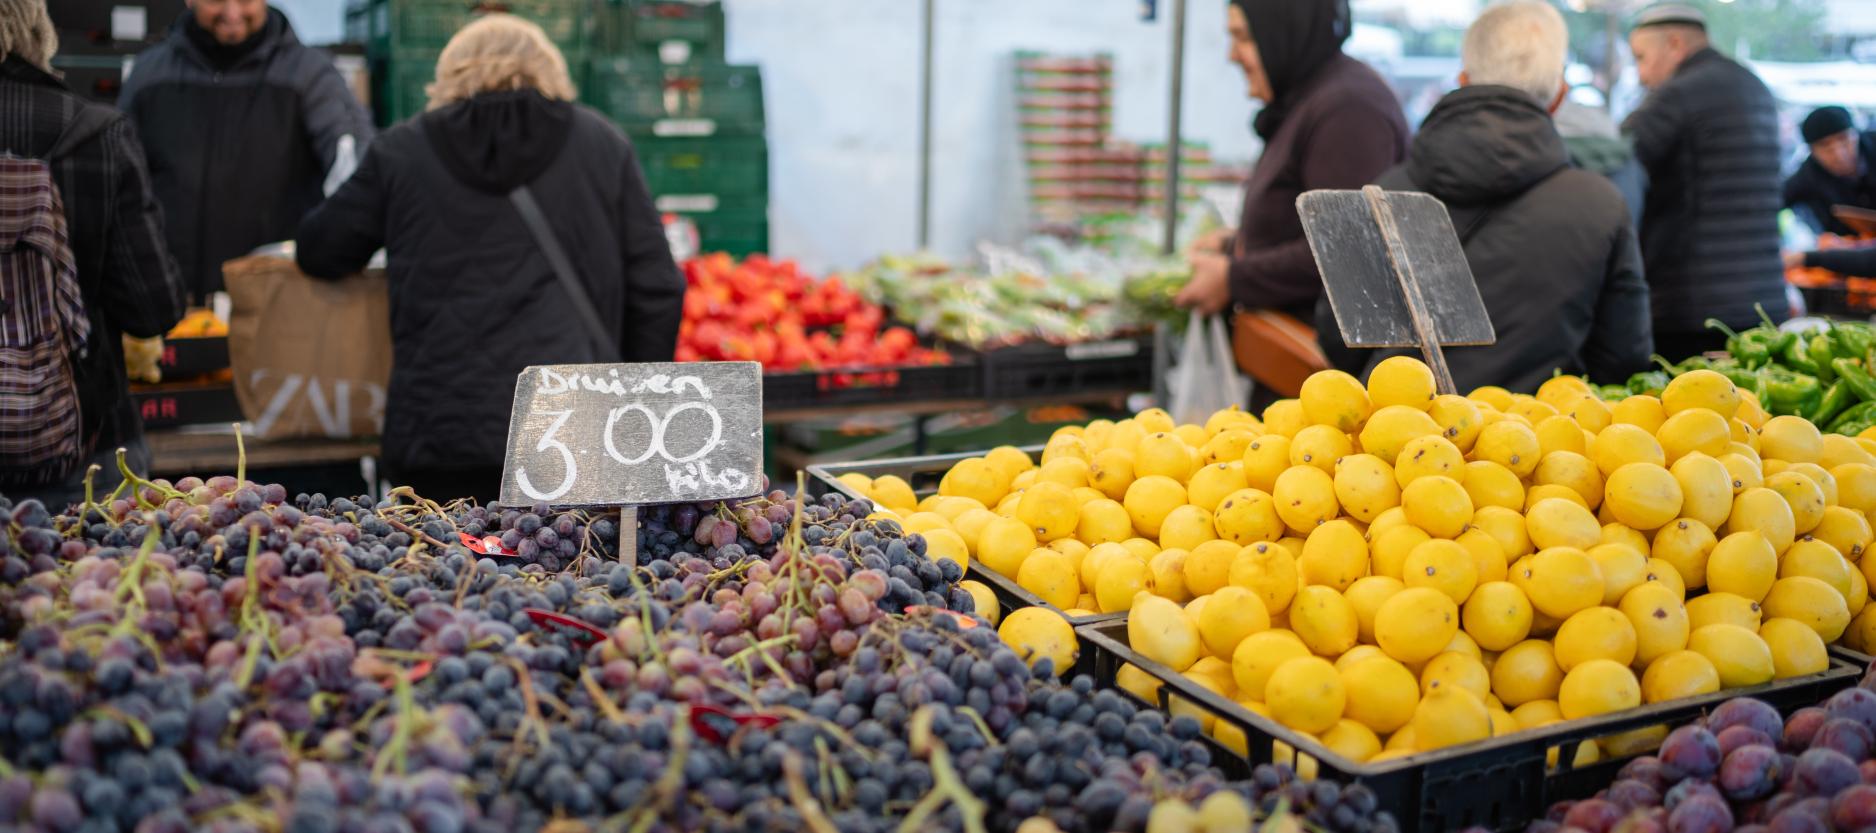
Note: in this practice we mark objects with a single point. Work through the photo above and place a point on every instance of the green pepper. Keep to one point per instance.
(1742, 377)
(1649, 383)
(1855, 421)
(1853, 339)
(1838, 397)
(1789, 393)
(1822, 351)
(1860, 381)
(1752, 348)
(1613, 393)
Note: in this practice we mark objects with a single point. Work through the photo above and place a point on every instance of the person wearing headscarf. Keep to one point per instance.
(1838, 171)
(1328, 121)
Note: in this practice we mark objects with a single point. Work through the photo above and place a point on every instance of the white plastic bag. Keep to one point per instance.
(1206, 380)
(344, 162)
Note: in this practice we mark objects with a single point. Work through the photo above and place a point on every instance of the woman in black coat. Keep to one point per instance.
(473, 298)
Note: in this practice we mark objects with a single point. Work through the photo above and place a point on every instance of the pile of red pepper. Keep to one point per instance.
(769, 311)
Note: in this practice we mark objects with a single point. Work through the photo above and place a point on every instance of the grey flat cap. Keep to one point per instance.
(1665, 14)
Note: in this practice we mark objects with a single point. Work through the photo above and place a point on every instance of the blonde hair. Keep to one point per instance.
(1522, 45)
(494, 53)
(26, 32)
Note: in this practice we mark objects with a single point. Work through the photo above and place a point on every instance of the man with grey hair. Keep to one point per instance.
(126, 278)
(1708, 135)
(1551, 246)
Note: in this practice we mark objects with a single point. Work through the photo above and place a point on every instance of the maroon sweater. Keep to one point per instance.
(1343, 131)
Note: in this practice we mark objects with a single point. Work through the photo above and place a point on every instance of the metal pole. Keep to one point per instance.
(924, 130)
(1173, 154)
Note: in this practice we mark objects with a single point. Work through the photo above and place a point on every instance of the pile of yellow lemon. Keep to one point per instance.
(1391, 570)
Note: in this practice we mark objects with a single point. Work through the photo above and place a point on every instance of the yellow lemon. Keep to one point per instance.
(1067, 471)
(1561, 523)
(1150, 499)
(1688, 545)
(1532, 410)
(1208, 566)
(1390, 429)
(1232, 417)
(1437, 505)
(1258, 655)
(1185, 528)
(1589, 411)
(1227, 446)
(1739, 655)
(1621, 444)
(1507, 526)
(1497, 616)
(1644, 412)
(1450, 717)
(1367, 595)
(1803, 496)
(1706, 489)
(1428, 456)
(1660, 622)
(947, 545)
(1679, 674)
(1796, 649)
(1573, 471)
(1401, 380)
(1004, 543)
(1233, 614)
(1037, 633)
(1643, 496)
(1544, 491)
(1459, 420)
(1103, 522)
(1264, 459)
(1351, 740)
(1050, 510)
(1382, 694)
(1619, 534)
(1305, 498)
(1444, 566)
(1051, 576)
(1161, 631)
(1247, 516)
(1169, 578)
(1325, 621)
(1319, 446)
(1268, 570)
(1846, 529)
(1334, 555)
(1766, 512)
(1559, 433)
(1211, 484)
(1561, 581)
(1537, 713)
(1856, 486)
(1595, 633)
(1816, 559)
(1122, 579)
(1694, 431)
(1745, 470)
(1111, 471)
(894, 493)
(1791, 439)
(1818, 605)
(984, 600)
(1365, 486)
(1662, 573)
(1163, 455)
(1064, 445)
(1488, 557)
(1389, 552)
(1306, 694)
(1416, 624)
(1596, 687)
(1009, 461)
(1285, 417)
(1496, 397)
(1456, 669)
(1334, 398)
(1623, 569)
(1490, 484)
(1704, 389)
(1510, 445)
(1722, 609)
(1526, 672)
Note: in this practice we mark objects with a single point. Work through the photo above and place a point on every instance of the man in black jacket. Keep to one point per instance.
(1551, 246)
(242, 123)
(127, 279)
(1708, 135)
(1838, 171)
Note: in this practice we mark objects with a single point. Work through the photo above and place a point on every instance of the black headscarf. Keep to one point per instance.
(1295, 39)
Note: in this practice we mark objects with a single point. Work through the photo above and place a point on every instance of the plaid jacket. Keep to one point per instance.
(128, 280)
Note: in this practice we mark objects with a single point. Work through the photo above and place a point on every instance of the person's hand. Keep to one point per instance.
(1209, 291)
(1213, 242)
(1794, 260)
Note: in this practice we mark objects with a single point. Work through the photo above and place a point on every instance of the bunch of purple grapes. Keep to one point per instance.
(1746, 768)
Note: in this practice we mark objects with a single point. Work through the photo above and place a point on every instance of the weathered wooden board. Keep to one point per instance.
(1360, 273)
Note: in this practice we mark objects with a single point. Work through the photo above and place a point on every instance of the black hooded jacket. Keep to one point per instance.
(239, 138)
(1812, 191)
(473, 299)
(1551, 246)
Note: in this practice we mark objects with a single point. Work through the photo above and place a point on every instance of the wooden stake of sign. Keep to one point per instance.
(1395, 273)
(622, 435)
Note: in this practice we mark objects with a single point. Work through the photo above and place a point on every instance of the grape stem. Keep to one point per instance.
(946, 785)
(532, 721)
(241, 457)
(811, 813)
(600, 698)
(396, 751)
(665, 789)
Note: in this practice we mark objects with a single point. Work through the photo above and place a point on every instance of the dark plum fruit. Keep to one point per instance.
(1854, 808)
(1733, 737)
(1653, 820)
(1868, 768)
(1841, 734)
(1690, 752)
(1687, 789)
(1750, 773)
(1810, 815)
(1646, 769)
(1803, 726)
(1633, 794)
(1594, 815)
(1701, 814)
(1858, 704)
(1824, 772)
(1745, 711)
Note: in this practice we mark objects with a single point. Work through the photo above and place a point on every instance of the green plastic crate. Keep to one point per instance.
(649, 24)
(398, 83)
(691, 100)
(725, 166)
(398, 25)
(738, 227)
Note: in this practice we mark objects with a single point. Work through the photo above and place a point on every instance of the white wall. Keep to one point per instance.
(841, 81)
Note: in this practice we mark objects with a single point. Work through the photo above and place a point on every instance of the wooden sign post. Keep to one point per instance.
(1395, 273)
(606, 435)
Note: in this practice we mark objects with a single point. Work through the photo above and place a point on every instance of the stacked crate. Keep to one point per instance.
(697, 121)
(403, 38)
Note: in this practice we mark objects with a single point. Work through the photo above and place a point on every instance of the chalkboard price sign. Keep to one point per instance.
(627, 434)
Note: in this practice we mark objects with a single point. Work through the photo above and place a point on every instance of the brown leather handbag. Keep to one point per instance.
(1276, 349)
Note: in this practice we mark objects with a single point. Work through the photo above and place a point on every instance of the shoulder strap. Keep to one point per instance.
(89, 121)
(544, 236)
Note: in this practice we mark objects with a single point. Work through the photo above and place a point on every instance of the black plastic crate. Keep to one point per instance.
(923, 473)
(1029, 371)
(871, 386)
(1853, 298)
(1500, 784)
